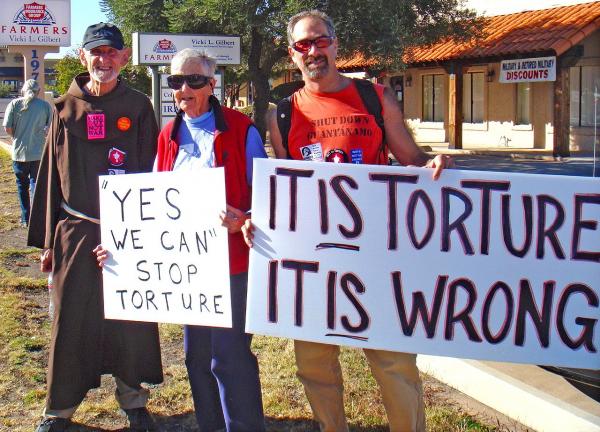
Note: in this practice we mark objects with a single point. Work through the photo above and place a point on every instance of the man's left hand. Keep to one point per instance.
(438, 163)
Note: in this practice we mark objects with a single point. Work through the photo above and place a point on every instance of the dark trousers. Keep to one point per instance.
(223, 372)
(26, 173)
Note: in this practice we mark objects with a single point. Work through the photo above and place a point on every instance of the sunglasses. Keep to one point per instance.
(303, 46)
(195, 81)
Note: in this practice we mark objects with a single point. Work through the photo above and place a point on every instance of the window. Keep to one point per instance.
(523, 98)
(433, 108)
(585, 81)
(473, 97)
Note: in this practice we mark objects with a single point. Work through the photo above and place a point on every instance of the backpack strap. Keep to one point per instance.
(371, 101)
(284, 120)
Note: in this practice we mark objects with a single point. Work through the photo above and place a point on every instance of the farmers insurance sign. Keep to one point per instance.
(159, 48)
(528, 70)
(481, 265)
(36, 23)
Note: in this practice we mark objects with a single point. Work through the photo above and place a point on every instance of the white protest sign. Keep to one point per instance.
(169, 253)
(528, 70)
(480, 265)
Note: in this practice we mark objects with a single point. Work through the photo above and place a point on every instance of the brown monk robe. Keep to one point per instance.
(90, 136)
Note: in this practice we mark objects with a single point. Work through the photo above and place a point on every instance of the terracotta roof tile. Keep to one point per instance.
(354, 62)
(556, 29)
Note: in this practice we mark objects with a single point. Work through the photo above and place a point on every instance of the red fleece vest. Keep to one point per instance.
(230, 152)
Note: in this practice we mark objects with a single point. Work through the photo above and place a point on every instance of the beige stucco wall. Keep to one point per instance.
(500, 105)
(424, 132)
(498, 128)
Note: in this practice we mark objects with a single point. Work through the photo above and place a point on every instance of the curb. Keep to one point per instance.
(515, 398)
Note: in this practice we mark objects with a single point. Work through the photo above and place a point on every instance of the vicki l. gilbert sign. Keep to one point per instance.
(478, 265)
(169, 253)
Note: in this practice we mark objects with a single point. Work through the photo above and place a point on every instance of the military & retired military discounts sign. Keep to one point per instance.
(528, 70)
(35, 23)
(169, 253)
(477, 265)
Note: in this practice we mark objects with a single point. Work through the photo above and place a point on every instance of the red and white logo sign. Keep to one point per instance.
(34, 13)
(116, 157)
(165, 46)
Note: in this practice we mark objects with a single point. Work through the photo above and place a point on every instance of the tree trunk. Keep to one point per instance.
(261, 103)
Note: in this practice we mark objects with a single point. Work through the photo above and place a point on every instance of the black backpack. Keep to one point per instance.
(368, 96)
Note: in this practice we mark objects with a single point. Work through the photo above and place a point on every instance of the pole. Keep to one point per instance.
(156, 93)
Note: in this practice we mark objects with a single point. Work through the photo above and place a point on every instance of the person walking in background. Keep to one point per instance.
(313, 49)
(100, 126)
(27, 120)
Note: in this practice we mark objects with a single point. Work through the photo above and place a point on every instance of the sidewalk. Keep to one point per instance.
(536, 398)
(513, 153)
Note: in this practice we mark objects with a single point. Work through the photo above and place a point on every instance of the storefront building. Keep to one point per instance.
(532, 82)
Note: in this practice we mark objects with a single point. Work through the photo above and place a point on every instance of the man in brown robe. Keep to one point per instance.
(100, 126)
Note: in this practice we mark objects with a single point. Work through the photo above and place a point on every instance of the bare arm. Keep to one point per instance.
(9, 131)
(247, 227)
(401, 143)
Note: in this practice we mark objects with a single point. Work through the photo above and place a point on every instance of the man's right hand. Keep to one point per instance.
(46, 261)
(101, 255)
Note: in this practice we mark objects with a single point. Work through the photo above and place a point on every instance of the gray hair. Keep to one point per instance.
(30, 90)
(191, 55)
(309, 14)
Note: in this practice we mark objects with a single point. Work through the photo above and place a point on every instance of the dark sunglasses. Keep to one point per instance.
(303, 46)
(195, 81)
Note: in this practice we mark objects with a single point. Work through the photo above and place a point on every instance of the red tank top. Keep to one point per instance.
(334, 127)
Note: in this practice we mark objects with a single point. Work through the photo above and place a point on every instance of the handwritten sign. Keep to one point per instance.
(480, 265)
(169, 253)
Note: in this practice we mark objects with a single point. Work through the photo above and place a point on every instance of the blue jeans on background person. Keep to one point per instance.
(223, 371)
(26, 173)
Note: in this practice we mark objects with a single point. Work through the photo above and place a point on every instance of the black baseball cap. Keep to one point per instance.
(103, 34)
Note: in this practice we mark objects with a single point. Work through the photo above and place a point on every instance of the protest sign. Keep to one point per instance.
(479, 265)
(169, 254)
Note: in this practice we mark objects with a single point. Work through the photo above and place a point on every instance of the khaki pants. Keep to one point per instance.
(127, 397)
(396, 373)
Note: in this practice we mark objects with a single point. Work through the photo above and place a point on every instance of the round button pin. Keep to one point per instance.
(123, 123)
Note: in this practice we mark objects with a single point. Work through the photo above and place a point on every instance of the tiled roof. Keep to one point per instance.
(354, 62)
(556, 29)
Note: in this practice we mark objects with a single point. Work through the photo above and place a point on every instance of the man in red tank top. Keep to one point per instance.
(330, 123)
